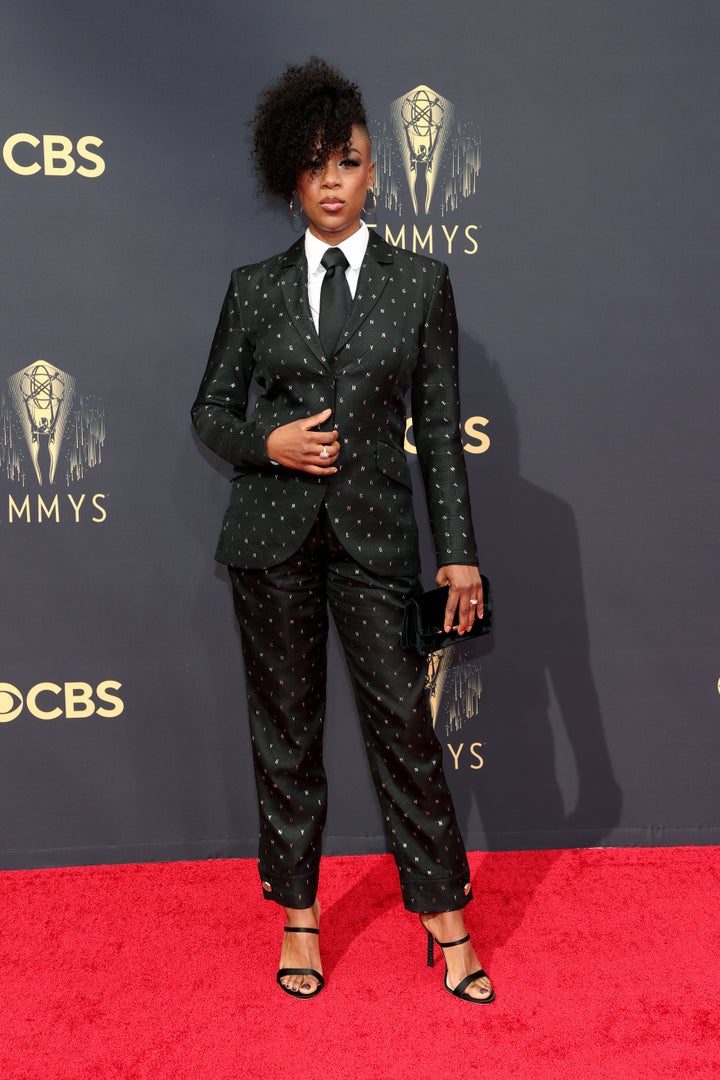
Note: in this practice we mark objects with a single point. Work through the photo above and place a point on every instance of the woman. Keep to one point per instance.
(321, 514)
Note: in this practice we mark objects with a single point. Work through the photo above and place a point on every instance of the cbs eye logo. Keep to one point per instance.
(53, 155)
(73, 700)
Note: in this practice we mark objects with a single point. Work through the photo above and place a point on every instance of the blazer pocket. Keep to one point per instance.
(393, 464)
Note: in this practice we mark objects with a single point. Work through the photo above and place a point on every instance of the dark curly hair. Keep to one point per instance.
(303, 116)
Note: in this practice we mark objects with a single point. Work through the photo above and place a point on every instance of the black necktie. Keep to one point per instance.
(334, 300)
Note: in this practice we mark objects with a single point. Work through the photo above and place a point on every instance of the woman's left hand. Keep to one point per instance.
(465, 587)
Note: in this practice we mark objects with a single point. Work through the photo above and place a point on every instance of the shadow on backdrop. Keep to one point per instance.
(546, 779)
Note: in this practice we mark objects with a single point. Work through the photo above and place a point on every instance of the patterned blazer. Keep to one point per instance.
(400, 335)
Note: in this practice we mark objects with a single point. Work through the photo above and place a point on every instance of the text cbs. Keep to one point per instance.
(72, 700)
(472, 428)
(53, 155)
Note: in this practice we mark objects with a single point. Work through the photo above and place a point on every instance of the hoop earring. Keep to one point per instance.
(293, 211)
(370, 210)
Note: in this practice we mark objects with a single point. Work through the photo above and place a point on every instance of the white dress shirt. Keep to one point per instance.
(353, 249)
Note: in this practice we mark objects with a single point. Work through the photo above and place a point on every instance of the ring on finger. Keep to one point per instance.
(473, 602)
(324, 452)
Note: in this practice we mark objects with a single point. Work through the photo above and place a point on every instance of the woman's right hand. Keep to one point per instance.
(298, 446)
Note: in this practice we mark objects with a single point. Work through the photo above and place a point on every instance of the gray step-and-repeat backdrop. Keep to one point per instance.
(562, 157)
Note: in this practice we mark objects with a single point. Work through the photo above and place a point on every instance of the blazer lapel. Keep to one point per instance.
(374, 275)
(293, 284)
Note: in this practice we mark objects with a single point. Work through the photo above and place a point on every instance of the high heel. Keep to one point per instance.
(459, 991)
(300, 971)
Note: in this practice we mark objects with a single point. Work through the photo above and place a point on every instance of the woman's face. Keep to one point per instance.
(333, 195)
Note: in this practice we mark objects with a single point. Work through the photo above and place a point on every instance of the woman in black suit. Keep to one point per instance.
(332, 334)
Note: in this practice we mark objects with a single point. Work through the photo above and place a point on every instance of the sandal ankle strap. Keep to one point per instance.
(301, 930)
(449, 944)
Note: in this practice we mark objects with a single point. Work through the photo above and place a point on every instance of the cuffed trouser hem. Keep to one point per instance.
(432, 895)
(292, 891)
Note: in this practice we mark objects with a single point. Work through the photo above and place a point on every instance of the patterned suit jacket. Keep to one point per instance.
(400, 334)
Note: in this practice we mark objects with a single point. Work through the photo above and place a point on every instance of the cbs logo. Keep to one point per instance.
(472, 428)
(74, 700)
(54, 155)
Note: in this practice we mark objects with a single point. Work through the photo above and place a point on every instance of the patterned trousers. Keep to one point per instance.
(283, 618)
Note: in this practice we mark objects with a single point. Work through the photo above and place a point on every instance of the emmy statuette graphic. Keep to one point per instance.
(42, 396)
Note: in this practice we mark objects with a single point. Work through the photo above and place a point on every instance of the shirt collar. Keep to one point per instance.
(353, 249)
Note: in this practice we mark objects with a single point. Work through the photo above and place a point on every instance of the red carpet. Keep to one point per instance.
(605, 965)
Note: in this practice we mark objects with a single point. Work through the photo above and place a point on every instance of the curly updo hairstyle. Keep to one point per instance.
(300, 118)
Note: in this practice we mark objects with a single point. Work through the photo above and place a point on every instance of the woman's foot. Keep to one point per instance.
(460, 960)
(301, 951)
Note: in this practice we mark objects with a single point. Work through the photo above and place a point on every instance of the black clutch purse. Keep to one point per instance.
(424, 622)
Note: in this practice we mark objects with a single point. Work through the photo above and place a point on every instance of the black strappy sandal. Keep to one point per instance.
(459, 991)
(300, 971)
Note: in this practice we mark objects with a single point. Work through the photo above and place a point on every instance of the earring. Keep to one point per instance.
(293, 211)
(369, 210)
